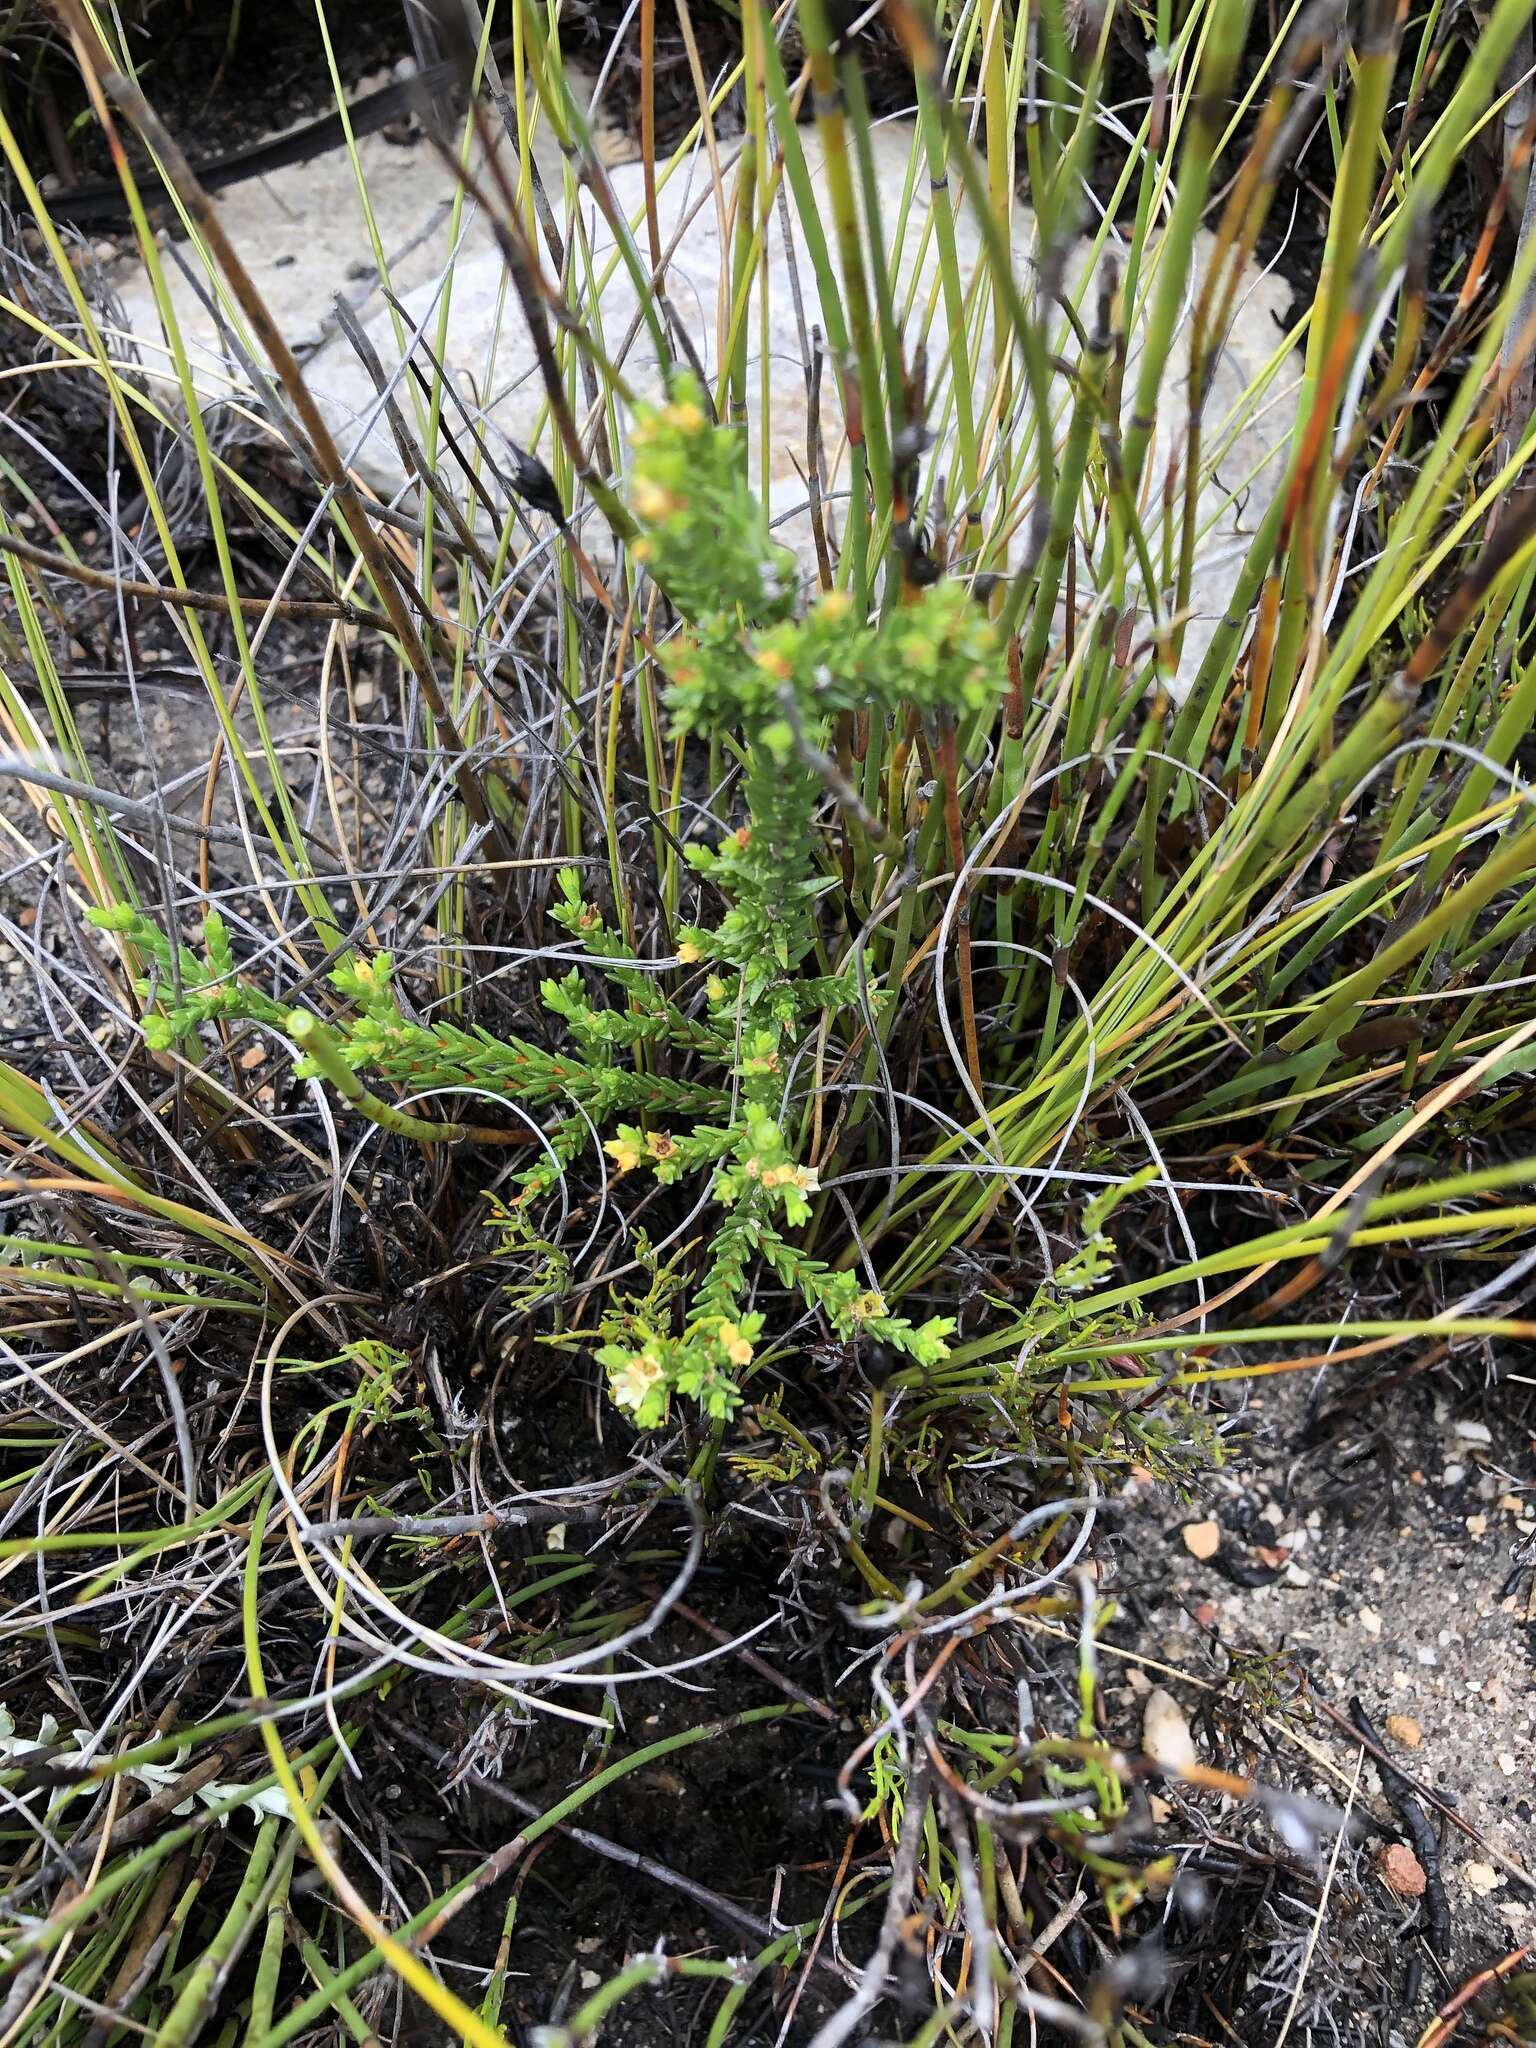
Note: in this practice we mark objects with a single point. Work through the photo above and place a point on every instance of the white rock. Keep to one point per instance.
(1165, 1735)
(1473, 1432)
(302, 234)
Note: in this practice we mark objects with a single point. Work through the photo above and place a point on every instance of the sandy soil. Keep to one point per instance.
(1406, 1581)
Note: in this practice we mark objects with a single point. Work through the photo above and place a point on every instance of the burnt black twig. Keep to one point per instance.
(1404, 1802)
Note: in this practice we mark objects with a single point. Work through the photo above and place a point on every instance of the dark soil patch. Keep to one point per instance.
(699, 1852)
(219, 77)
(1406, 1549)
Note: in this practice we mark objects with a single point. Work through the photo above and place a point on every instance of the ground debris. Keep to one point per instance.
(1401, 1871)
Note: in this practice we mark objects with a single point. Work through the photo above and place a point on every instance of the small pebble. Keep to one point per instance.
(1481, 1878)
(1165, 1733)
(1201, 1539)
(1401, 1871)
(1473, 1432)
(1404, 1730)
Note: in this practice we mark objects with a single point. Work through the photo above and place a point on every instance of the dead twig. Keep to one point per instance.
(1404, 1803)
(760, 1665)
(1448, 1813)
(1450, 2015)
(872, 1978)
(191, 600)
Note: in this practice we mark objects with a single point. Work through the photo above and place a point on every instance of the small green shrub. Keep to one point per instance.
(746, 672)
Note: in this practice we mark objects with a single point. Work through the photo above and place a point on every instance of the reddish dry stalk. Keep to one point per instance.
(1260, 659)
(813, 1955)
(1450, 2015)
(648, 129)
(1013, 717)
(1517, 344)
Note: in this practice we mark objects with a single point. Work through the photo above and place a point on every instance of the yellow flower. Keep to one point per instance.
(654, 501)
(866, 1306)
(687, 953)
(734, 1345)
(834, 604)
(624, 1152)
(660, 1144)
(631, 1385)
(685, 416)
(773, 663)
